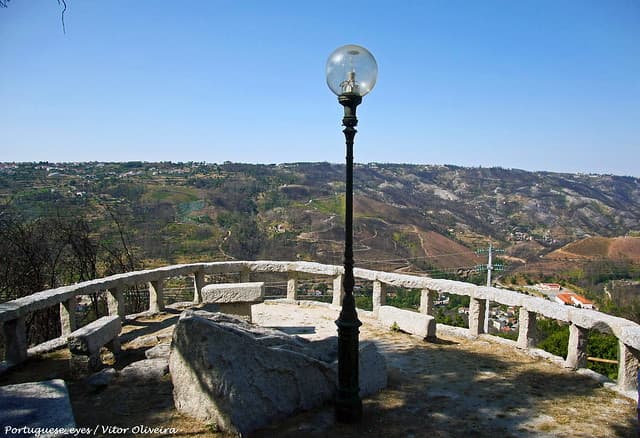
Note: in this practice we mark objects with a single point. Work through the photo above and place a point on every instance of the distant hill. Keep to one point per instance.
(419, 218)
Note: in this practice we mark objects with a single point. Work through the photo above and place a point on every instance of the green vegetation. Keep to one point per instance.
(364, 302)
(403, 298)
(334, 205)
(554, 338)
(604, 347)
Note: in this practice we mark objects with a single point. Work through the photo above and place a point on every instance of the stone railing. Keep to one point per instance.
(13, 313)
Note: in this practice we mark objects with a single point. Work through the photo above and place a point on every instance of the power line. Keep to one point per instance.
(421, 257)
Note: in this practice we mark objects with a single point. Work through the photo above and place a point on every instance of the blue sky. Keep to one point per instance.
(535, 85)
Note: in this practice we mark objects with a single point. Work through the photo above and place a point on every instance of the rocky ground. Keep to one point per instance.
(454, 387)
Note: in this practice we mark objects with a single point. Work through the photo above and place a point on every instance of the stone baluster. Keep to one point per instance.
(15, 340)
(427, 298)
(115, 302)
(577, 348)
(68, 316)
(156, 296)
(338, 291)
(527, 332)
(379, 296)
(198, 284)
(628, 363)
(292, 286)
(245, 275)
(476, 316)
(487, 314)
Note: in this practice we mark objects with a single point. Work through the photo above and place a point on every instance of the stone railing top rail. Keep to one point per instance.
(626, 331)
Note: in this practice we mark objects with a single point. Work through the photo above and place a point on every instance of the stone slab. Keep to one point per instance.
(242, 310)
(36, 405)
(89, 339)
(411, 322)
(233, 293)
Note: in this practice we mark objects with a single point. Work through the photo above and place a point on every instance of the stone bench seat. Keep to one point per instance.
(86, 342)
(415, 323)
(233, 298)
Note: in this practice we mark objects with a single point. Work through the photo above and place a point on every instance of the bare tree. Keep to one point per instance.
(52, 251)
(61, 3)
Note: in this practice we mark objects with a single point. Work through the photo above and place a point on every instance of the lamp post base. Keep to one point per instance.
(348, 408)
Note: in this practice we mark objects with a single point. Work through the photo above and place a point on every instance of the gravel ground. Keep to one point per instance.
(457, 387)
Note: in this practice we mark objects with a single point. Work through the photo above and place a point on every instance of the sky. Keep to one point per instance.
(541, 85)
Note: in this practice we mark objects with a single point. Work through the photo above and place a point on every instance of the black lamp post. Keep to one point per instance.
(351, 73)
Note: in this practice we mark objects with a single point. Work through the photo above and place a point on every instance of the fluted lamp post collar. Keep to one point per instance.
(351, 73)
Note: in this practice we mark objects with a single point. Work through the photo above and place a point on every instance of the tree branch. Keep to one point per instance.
(64, 4)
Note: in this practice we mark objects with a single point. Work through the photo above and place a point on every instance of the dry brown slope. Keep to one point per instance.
(592, 248)
(445, 252)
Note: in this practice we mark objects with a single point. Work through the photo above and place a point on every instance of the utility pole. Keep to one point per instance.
(489, 267)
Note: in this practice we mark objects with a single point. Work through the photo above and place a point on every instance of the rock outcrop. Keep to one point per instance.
(241, 377)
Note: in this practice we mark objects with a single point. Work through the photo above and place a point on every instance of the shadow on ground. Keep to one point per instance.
(443, 390)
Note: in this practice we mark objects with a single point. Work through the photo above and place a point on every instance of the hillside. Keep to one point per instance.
(598, 248)
(418, 218)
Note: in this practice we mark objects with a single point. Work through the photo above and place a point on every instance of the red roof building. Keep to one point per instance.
(564, 299)
(573, 299)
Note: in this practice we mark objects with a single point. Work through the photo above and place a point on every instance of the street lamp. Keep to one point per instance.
(351, 73)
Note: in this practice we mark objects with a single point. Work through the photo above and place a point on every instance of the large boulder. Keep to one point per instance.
(241, 377)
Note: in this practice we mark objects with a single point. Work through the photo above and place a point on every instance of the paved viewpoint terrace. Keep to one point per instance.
(463, 383)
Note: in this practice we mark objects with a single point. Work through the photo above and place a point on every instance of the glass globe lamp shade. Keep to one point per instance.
(351, 69)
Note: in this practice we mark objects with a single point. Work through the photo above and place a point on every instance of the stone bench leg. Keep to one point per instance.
(15, 340)
(240, 310)
(82, 364)
(114, 346)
